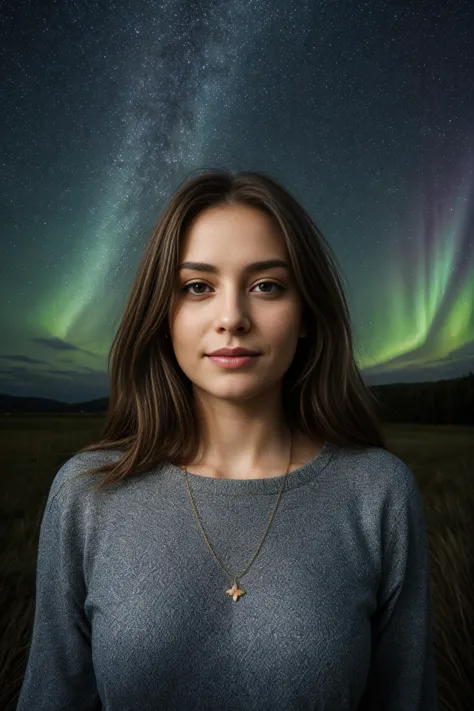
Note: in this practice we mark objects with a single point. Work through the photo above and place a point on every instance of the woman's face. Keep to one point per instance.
(234, 306)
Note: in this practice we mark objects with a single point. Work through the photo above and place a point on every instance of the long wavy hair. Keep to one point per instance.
(151, 414)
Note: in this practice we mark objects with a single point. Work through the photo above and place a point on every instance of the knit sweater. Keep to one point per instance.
(133, 611)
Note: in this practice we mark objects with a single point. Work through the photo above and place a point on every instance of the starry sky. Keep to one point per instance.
(363, 110)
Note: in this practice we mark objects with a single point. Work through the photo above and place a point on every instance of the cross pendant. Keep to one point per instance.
(235, 592)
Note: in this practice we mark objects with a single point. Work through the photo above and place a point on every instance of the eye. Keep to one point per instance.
(186, 288)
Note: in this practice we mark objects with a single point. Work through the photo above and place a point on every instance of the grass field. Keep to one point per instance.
(441, 457)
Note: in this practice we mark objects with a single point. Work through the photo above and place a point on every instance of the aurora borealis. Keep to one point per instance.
(364, 111)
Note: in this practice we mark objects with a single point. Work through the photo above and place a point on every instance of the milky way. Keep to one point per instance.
(365, 113)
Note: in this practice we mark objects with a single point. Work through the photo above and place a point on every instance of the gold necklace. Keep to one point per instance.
(235, 591)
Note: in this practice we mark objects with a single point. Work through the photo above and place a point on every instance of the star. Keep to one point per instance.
(235, 591)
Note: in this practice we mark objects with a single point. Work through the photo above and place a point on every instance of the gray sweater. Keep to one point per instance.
(132, 612)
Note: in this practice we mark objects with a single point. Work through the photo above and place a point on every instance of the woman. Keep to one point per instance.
(248, 542)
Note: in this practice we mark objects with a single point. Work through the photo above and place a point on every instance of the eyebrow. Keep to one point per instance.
(254, 267)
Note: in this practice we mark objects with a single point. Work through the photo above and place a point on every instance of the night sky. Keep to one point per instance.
(363, 110)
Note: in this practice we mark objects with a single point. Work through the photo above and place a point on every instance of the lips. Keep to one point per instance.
(235, 357)
(237, 353)
(232, 362)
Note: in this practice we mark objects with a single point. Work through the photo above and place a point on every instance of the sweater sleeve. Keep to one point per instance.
(402, 672)
(59, 674)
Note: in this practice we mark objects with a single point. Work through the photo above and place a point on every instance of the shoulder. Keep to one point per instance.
(378, 466)
(380, 495)
(379, 477)
(71, 479)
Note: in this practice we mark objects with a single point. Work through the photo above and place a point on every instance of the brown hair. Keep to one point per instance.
(150, 413)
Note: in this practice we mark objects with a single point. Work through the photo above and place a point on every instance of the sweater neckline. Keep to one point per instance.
(243, 487)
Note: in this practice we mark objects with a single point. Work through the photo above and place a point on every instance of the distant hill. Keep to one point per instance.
(439, 402)
(9, 404)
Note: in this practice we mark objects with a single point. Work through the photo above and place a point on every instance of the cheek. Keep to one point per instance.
(281, 326)
(187, 335)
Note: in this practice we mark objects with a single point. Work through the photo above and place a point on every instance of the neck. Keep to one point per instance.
(256, 454)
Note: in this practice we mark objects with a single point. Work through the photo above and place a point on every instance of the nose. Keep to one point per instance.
(231, 311)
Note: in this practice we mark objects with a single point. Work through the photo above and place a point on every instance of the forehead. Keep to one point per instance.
(233, 231)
